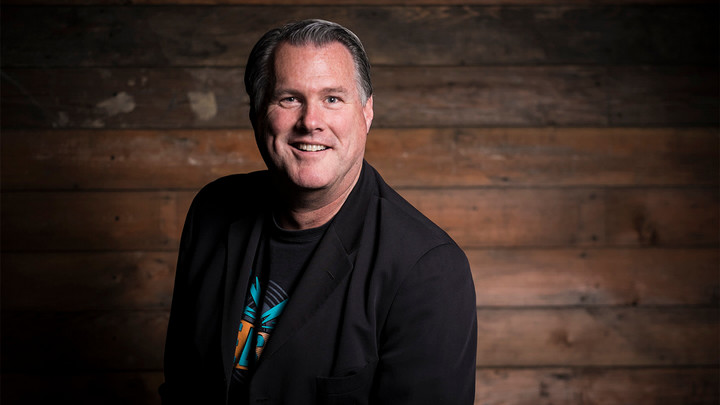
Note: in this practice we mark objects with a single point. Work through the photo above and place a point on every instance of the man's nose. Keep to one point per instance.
(311, 118)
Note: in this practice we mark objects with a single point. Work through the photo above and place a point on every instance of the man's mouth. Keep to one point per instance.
(306, 147)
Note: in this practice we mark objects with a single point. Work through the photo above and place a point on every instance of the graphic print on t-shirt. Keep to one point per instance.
(274, 301)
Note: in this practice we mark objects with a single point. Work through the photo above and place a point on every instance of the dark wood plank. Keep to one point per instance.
(589, 277)
(75, 281)
(662, 217)
(83, 340)
(119, 98)
(559, 386)
(553, 217)
(133, 340)
(79, 281)
(454, 35)
(663, 96)
(101, 387)
(93, 221)
(353, 2)
(597, 386)
(598, 337)
(404, 97)
(188, 159)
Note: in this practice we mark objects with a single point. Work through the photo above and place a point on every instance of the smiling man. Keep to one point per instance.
(313, 282)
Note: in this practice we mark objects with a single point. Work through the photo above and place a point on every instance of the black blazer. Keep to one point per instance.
(384, 313)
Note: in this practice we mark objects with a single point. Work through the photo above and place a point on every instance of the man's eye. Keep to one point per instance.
(289, 100)
(332, 99)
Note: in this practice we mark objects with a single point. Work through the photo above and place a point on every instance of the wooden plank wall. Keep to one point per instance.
(570, 147)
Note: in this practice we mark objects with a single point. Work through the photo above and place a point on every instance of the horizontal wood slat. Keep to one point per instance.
(546, 277)
(562, 217)
(503, 277)
(559, 386)
(353, 2)
(189, 159)
(598, 336)
(77, 281)
(404, 97)
(36, 221)
(459, 35)
(93, 221)
(133, 340)
(597, 386)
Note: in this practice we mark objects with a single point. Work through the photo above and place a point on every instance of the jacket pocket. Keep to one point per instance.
(350, 389)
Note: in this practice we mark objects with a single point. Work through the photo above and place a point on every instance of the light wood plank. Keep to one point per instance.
(188, 159)
(589, 277)
(598, 337)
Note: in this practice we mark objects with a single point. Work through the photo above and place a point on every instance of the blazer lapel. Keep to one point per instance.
(329, 265)
(243, 239)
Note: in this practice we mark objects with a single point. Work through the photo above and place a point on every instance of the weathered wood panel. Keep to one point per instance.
(353, 2)
(107, 388)
(540, 386)
(188, 159)
(653, 218)
(93, 221)
(77, 281)
(589, 277)
(404, 97)
(639, 94)
(597, 386)
(460, 35)
(575, 216)
(38, 221)
(598, 336)
(133, 340)
(503, 277)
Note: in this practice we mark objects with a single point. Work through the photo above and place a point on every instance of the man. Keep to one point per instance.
(314, 282)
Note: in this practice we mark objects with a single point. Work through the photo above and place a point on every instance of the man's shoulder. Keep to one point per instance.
(233, 193)
(405, 221)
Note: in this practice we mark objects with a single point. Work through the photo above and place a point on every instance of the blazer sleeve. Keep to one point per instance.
(429, 341)
(187, 377)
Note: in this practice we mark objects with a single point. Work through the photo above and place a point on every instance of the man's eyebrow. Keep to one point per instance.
(335, 90)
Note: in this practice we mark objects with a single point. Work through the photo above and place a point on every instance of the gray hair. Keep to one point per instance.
(258, 73)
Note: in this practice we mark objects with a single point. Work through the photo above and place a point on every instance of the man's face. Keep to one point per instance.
(315, 128)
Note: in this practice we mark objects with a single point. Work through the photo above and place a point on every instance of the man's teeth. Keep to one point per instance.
(310, 148)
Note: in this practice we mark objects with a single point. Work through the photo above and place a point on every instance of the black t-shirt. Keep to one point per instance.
(281, 258)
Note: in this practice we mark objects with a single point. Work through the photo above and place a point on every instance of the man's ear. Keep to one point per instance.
(368, 112)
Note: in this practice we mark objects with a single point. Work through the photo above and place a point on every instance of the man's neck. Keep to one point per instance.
(305, 209)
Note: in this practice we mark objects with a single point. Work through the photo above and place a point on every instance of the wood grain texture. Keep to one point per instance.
(189, 159)
(133, 340)
(354, 2)
(497, 386)
(597, 336)
(597, 386)
(405, 97)
(36, 221)
(76, 281)
(93, 221)
(590, 277)
(503, 278)
(446, 35)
